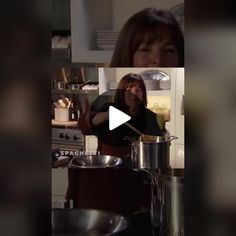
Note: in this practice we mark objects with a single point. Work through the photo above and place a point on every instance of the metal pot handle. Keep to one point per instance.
(172, 137)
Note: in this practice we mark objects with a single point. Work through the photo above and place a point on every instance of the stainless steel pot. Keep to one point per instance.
(153, 78)
(172, 199)
(153, 154)
(87, 222)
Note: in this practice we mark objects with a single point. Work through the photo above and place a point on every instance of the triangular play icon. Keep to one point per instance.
(116, 118)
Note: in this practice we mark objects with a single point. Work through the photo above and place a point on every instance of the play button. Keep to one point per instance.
(110, 129)
(116, 118)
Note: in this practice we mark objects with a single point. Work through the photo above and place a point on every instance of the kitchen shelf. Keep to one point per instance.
(158, 93)
(64, 123)
(75, 91)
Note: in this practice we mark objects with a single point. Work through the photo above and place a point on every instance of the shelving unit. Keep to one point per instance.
(158, 93)
(75, 91)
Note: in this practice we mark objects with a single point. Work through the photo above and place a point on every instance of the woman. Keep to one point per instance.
(120, 190)
(131, 98)
(150, 38)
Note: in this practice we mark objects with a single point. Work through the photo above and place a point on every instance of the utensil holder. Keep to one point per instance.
(62, 114)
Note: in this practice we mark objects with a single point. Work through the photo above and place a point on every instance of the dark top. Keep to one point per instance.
(120, 190)
(122, 136)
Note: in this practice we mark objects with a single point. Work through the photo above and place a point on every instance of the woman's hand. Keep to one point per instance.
(100, 118)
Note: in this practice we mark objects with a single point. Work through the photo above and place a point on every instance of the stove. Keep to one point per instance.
(67, 139)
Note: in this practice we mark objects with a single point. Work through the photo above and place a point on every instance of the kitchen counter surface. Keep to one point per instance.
(64, 123)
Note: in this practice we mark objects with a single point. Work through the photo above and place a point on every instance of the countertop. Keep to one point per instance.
(64, 123)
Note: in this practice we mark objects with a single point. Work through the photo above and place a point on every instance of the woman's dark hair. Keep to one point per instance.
(127, 81)
(145, 26)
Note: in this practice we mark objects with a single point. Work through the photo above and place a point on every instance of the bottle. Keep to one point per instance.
(79, 110)
(72, 112)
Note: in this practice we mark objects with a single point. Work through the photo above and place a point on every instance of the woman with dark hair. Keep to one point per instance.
(150, 38)
(131, 98)
(120, 190)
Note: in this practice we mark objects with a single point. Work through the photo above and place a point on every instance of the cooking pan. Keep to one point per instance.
(87, 222)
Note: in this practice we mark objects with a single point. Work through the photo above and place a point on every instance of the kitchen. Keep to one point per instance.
(82, 81)
(63, 133)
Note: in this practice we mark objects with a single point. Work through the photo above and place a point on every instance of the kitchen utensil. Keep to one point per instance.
(94, 161)
(61, 114)
(152, 78)
(133, 128)
(57, 104)
(81, 85)
(87, 222)
(63, 102)
(64, 75)
(82, 73)
(66, 102)
(147, 138)
(151, 153)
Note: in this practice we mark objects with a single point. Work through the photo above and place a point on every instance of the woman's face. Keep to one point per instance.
(160, 53)
(133, 96)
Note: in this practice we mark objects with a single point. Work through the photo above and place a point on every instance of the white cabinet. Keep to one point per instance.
(91, 144)
(59, 183)
(177, 111)
(179, 114)
(87, 16)
(179, 156)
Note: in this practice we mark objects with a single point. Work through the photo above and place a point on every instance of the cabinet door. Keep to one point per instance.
(59, 183)
(179, 156)
(179, 111)
(91, 144)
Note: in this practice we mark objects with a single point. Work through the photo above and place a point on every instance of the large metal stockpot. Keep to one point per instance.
(172, 200)
(152, 153)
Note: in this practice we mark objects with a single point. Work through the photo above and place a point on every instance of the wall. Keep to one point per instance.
(130, 7)
(60, 15)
